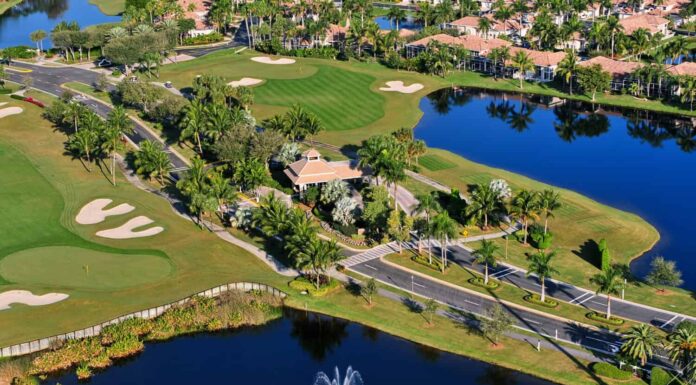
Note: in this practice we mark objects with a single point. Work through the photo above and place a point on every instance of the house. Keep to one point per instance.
(683, 69)
(620, 71)
(197, 10)
(476, 45)
(576, 42)
(651, 23)
(469, 25)
(312, 170)
(545, 62)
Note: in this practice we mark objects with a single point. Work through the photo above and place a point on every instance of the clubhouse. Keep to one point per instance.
(312, 170)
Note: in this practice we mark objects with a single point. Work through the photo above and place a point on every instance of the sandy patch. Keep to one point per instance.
(398, 86)
(10, 111)
(28, 298)
(243, 82)
(269, 60)
(126, 231)
(93, 212)
(2, 104)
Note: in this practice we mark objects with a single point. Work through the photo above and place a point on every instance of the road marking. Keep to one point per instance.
(598, 303)
(532, 322)
(669, 322)
(500, 272)
(473, 303)
(586, 299)
(371, 267)
(506, 274)
(419, 285)
(578, 297)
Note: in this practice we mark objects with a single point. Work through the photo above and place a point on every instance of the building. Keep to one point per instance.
(545, 63)
(312, 170)
(197, 10)
(476, 45)
(620, 71)
(469, 25)
(651, 23)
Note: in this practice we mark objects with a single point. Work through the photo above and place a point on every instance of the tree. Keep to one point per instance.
(333, 190)
(344, 211)
(443, 228)
(152, 161)
(567, 68)
(396, 15)
(83, 144)
(680, 346)
(221, 188)
(428, 206)
(496, 323)
(3, 76)
(193, 125)
(271, 216)
(485, 255)
(369, 289)
(593, 79)
(429, 309)
(687, 90)
(399, 227)
(318, 256)
(249, 174)
(549, 200)
(484, 26)
(484, 203)
(117, 125)
(524, 64)
(288, 153)
(608, 282)
(525, 206)
(264, 144)
(664, 273)
(540, 265)
(37, 37)
(640, 342)
(605, 255)
(612, 27)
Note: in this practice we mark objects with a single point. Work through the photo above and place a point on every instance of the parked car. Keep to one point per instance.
(104, 63)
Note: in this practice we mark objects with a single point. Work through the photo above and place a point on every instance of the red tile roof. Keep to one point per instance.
(686, 68)
(645, 21)
(614, 67)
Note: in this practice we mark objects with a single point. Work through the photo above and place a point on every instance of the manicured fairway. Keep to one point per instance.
(435, 163)
(77, 268)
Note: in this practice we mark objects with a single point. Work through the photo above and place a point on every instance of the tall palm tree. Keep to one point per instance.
(83, 144)
(687, 90)
(221, 188)
(613, 28)
(483, 203)
(640, 342)
(425, 13)
(152, 161)
(549, 200)
(428, 206)
(608, 282)
(484, 26)
(523, 63)
(567, 68)
(444, 228)
(540, 265)
(468, 7)
(117, 125)
(396, 15)
(680, 345)
(37, 37)
(318, 256)
(525, 206)
(195, 179)
(485, 255)
(193, 125)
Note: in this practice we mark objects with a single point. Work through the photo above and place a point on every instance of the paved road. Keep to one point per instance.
(552, 330)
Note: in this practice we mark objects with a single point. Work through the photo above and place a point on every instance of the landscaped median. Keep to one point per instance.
(460, 277)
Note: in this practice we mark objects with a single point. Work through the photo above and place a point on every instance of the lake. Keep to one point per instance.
(409, 23)
(291, 351)
(17, 23)
(633, 160)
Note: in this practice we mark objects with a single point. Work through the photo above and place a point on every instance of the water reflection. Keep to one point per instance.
(570, 124)
(52, 8)
(317, 335)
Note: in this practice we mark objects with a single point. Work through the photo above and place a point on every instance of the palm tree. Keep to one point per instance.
(396, 15)
(250, 174)
(608, 282)
(640, 342)
(468, 7)
(483, 203)
(393, 170)
(687, 90)
(83, 144)
(485, 255)
(73, 114)
(525, 206)
(317, 255)
(484, 26)
(549, 200)
(152, 161)
(271, 216)
(567, 68)
(540, 265)
(523, 63)
(195, 179)
(680, 345)
(193, 125)
(428, 206)
(612, 27)
(37, 37)
(117, 125)
(425, 13)
(221, 188)
(302, 230)
(444, 228)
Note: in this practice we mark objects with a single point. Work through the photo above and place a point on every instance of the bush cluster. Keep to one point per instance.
(213, 37)
(605, 369)
(536, 299)
(603, 318)
(478, 281)
(303, 284)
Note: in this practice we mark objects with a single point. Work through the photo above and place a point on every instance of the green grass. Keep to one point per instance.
(7, 4)
(110, 7)
(435, 163)
(42, 192)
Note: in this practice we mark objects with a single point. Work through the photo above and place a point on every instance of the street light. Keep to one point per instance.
(412, 289)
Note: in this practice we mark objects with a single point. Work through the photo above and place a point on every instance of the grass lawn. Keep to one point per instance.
(6, 5)
(110, 7)
(44, 250)
(450, 335)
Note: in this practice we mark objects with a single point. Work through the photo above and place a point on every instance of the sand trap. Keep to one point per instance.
(245, 82)
(93, 212)
(10, 111)
(27, 298)
(398, 86)
(125, 231)
(269, 60)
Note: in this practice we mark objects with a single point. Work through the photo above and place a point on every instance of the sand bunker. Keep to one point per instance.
(398, 86)
(125, 231)
(245, 82)
(93, 212)
(10, 111)
(269, 60)
(27, 298)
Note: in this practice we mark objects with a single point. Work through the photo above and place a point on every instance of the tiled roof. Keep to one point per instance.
(469, 42)
(541, 58)
(614, 67)
(306, 171)
(645, 21)
(686, 68)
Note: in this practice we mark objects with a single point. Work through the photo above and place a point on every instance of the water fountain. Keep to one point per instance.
(352, 378)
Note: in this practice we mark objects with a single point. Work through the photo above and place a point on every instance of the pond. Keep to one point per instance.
(633, 160)
(17, 23)
(408, 23)
(292, 350)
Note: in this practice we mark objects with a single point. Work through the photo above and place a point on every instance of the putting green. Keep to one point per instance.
(78, 268)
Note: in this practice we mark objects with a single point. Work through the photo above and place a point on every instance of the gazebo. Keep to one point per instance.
(312, 170)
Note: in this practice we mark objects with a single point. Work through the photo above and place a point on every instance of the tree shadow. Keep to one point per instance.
(589, 251)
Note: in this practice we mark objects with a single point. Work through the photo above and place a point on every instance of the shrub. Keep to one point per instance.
(303, 284)
(129, 327)
(659, 376)
(116, 73)
(605, 369)
(124, 347)
(595, 316)
(5, 91)
(422, 259)
(536, 299)
(100, 361)
(478, 281)
(213, 37)
(83, 372)
(17, 97)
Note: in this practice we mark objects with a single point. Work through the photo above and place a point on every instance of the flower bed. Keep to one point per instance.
(536, 299)
(342, 237)
(599, 317)
(492, 284)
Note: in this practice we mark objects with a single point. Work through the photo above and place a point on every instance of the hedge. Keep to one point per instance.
(479, 282)
(536, 299)
(599, 317)
(610, 371)
(659, 376)
(302, 284)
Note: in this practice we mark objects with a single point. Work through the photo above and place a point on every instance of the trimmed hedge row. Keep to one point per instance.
(599, 317)
(302, 284)
(492, 285)
(536, 299)
(610, 371)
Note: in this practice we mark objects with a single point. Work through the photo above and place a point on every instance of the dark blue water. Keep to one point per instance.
(641, 163)
(409, 23)
(17, 23)
(291, 351)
